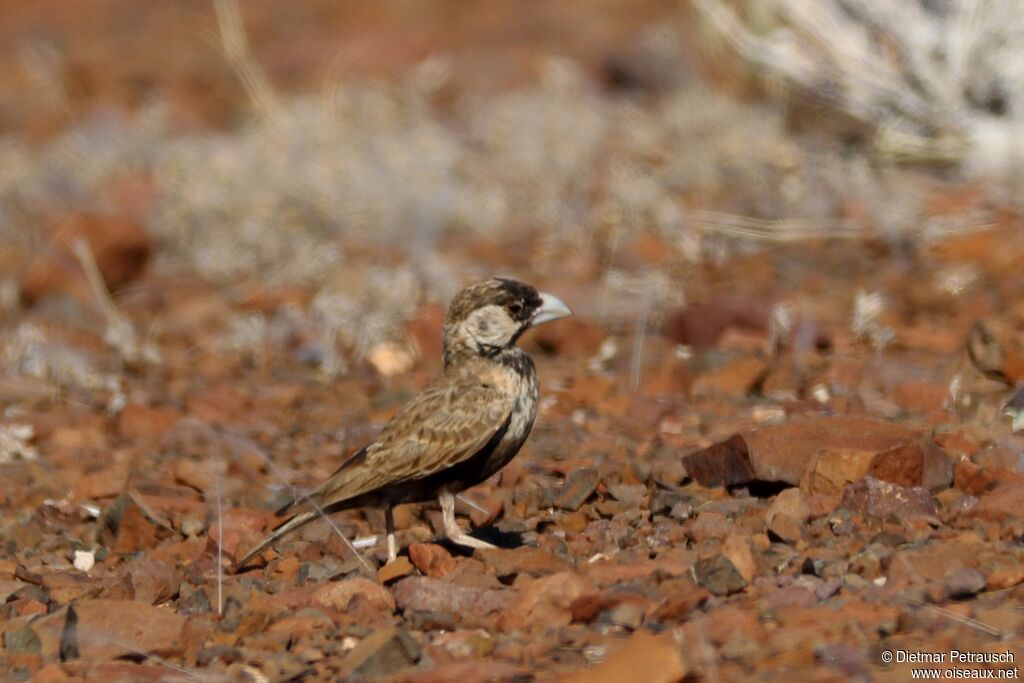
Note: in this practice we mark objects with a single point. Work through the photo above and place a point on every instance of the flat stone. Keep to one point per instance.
(875, 498)
(783, 452)
(644, 658)
(382, 653)
(789, 502)
(128, 526)
(708, 525)
(578, 487)
(631, 495)
(431, 559)
(737, 549)
(470, 606)
(524, 560)
(590, 606)
(396, 569)
(786, 528)
(681, 596)
(920, 463)
(964, 583)
(719, 575)
(830, 472)
(338, 594)
(547, 602)
(727, 463)
(107, 629)
(1000, 492)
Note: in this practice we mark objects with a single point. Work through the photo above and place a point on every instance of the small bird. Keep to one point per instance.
(467, 424)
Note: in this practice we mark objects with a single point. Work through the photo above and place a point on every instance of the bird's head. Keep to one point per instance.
(489, 316)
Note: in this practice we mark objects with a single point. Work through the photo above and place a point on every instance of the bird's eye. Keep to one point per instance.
(515, 308)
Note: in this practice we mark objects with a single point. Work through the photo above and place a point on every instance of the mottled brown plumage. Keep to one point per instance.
(465, 426)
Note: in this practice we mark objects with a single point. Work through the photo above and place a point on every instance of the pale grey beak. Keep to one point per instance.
(551, 308)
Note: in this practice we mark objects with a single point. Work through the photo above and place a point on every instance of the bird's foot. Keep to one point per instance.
(468, 541)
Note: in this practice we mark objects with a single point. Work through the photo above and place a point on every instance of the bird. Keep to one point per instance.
(466, 425)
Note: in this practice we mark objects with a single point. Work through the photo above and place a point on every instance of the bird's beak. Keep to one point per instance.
(551, 308)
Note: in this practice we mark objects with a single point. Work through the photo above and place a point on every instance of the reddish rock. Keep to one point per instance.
(128, 525)
(65, 587)
(952, 564)
(114, 628)
(920, 463)
(106, 483)
(789, 597)
(708, 525)
(338, 594)
(153, 581)
(612, 572)
(830, 471)
(470, 606)
(578, 487)
(1000, 492)
(309, 623)
(524, 560)
(547, 602)
(487, 511)
(384, 652)
(722, 464)
(786, 516)
(644, 658)
(682, 596)
(786, 528)
(737, 549)
(242, 529)
(200, 475)
(789, 502)
(1004, 502)
(396, 569)
(431, 559)
(588, 607)
(719, 575)
(782, 453)
(875, 498)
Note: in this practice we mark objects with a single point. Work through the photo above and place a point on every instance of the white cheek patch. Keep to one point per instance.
(491, 326)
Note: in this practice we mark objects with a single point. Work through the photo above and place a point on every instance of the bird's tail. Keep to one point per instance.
(279, 531)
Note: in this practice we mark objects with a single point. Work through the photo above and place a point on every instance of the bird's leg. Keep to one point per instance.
(451, 528)
(389, 523)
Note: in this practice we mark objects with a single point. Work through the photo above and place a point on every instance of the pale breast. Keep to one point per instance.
(515, 373)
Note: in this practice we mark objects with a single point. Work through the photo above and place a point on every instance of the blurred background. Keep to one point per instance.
(300, 187)
(325, 175)
(229, 231)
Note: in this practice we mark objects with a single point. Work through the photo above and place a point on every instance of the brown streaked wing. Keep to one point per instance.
(439, 428)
